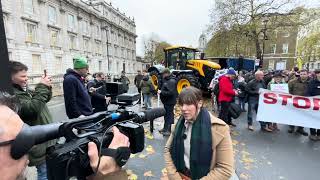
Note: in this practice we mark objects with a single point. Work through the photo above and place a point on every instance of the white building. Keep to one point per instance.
(46, 34)
(202, 42)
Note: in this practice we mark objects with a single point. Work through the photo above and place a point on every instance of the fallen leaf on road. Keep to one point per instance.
(149, 135)
(131, 175)
(150, 150)
(269, 163)
(247, 160)
(281, 177)
(148, 174)
(247, 167)
(235, 142)
(132, 155)
(129, 172)
(164, 172)
(243, 144)
(235, 133)
(244, 176)
(142, 156)
(245, 153)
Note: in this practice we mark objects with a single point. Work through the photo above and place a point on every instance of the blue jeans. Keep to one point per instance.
(253, 108)
(242, 103)
(147, 100)
(42, 171)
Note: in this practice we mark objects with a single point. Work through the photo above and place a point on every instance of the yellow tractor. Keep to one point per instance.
(188, 70)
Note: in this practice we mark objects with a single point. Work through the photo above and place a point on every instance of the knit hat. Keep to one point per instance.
(80, 62)
(166, 71)
(231, 72)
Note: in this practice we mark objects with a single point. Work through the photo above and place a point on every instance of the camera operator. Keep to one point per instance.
(97, 90)
(11, 125)
(34, 110)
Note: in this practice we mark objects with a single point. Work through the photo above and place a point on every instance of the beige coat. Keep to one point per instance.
(222, 162)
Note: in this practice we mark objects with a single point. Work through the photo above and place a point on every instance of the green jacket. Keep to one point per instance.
(146, 86)
(297, 87)
(34, 111)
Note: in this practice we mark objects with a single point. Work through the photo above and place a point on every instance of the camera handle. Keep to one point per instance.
(121, 155)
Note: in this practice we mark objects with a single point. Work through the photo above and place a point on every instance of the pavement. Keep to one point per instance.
(258, 155)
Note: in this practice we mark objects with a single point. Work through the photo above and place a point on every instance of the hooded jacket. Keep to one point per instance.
(76, 97)
(146, 85)
(226, 92)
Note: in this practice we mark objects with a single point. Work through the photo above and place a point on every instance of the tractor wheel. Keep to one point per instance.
(155, 77)
(186, 80)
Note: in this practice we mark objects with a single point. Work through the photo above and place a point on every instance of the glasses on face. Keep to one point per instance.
(5, 143)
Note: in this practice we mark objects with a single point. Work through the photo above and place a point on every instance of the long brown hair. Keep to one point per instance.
(190, 95)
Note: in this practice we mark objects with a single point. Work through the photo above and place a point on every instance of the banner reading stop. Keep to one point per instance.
(289, 109)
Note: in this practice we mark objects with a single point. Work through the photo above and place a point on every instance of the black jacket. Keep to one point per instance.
(76, 97)
(313, 88)
(98, 99)
(137, 80)
(169, 93)
(242, 87)
(253, 89)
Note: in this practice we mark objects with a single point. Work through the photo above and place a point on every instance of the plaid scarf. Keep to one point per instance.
(200, 149)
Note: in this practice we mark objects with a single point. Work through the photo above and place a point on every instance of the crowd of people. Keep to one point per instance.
(244, 88)
(193, 151)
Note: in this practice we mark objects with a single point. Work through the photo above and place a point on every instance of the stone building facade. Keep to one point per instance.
(46, 34)
(280, 49)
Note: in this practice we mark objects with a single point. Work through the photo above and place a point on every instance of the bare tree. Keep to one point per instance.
(253, 18)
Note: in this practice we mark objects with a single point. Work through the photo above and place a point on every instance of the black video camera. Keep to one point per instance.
(71, 159)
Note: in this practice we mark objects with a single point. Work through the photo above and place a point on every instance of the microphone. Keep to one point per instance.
(31, 135)
(149, 115)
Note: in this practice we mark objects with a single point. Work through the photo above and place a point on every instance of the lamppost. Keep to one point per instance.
(264, 30)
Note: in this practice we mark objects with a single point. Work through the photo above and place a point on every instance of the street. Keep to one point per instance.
(259, 155)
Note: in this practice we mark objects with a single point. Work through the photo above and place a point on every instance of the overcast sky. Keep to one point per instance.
(179, 22)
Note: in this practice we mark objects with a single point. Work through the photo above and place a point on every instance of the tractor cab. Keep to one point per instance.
(176, 57)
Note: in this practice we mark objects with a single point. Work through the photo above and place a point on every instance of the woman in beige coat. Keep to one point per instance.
(193, 150)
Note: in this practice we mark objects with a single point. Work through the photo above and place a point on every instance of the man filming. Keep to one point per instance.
(11, 169)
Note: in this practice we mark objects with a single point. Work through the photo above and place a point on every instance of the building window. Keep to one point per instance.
(281, 65)
(86, 28)
(110, 66)
(28, 6)
(54, 38)
(273, 48)
(52, 15)
(73, 41)
(116, 51)
(311, 65)
(285, 48)
(71, 22)
(98, 48)
(58, 66)
(97, 31)
(86, 45)
(100, 65)
(31, 32)
(36, 64)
